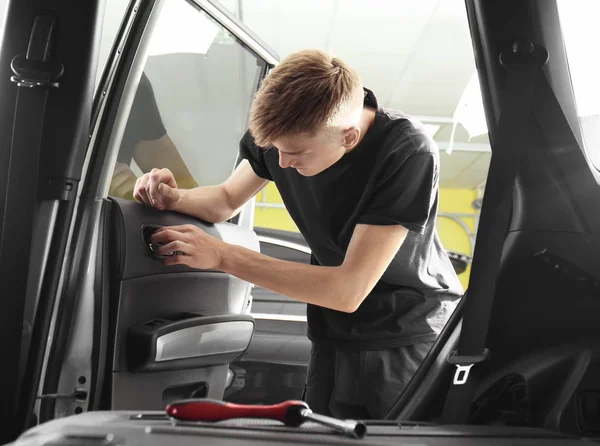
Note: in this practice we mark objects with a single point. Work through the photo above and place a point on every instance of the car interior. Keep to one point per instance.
(105, 326)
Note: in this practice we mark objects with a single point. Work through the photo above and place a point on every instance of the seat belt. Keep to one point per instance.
(35, 74)
(523, 63)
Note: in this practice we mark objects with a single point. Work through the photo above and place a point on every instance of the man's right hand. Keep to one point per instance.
(158, 189)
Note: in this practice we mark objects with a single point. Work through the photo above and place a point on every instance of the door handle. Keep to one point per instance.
(147, 230)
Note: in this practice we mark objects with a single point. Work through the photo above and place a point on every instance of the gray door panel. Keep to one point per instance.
(175, 327)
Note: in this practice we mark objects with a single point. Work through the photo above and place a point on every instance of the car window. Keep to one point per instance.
(192, 100)
(581, 36)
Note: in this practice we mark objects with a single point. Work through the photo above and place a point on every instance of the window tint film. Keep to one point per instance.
(581, 35)
(191, 104)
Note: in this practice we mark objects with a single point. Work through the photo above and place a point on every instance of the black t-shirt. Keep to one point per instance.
(144, 122)
(390, 178)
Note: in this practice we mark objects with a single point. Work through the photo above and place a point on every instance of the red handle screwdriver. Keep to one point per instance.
(291, 413)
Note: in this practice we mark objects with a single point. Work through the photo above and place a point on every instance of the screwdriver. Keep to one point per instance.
(291, 413)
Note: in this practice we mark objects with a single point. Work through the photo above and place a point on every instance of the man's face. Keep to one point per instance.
(311, 155)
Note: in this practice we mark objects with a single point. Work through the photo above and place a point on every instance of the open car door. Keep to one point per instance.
(156, 333)
(122, 331)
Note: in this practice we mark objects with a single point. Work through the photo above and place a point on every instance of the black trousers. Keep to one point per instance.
(360, 384)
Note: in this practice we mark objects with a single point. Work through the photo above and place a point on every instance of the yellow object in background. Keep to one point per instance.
(274, 218)
(452, 201)
(453, 235)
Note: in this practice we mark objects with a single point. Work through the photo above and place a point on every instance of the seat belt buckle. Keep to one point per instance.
(464, 364)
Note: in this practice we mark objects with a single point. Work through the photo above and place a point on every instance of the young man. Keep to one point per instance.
(361, 183)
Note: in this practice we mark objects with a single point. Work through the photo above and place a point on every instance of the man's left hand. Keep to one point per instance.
(192, 246)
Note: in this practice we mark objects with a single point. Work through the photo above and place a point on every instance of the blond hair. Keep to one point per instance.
(307, 92)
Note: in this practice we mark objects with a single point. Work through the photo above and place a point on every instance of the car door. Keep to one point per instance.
(130, 332)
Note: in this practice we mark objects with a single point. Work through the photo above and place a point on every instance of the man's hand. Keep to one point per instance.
(158, 189)
(341, 288)
(193, 247)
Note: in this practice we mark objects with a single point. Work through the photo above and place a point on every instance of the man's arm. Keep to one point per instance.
(341, 288)
(209, 203)
(224, 201)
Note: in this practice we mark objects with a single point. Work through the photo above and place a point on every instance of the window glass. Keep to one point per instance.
(192, 101)
(581, 36)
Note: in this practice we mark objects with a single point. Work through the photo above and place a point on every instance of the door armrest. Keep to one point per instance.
(188, 341)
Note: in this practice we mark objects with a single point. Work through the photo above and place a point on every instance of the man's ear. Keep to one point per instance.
(351, 136)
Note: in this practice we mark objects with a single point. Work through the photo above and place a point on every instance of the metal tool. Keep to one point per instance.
(291, 413)
(350, 428)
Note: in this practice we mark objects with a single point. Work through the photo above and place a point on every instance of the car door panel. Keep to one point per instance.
(133, 223)
(176, 327)
(170, 332)
(173, 298)
(110, 283)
